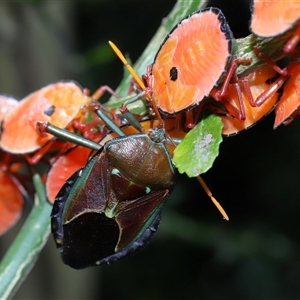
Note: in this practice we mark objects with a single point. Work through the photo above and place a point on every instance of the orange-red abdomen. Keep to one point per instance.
(191, 61)
(258, 83)
(289, 103)
(273, 17)
(57, 103)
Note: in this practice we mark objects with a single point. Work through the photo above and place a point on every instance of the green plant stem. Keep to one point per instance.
(25, 249)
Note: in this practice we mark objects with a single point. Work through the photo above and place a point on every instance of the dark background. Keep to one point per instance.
(195, 254)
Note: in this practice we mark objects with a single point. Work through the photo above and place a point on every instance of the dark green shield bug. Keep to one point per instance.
(110, 208)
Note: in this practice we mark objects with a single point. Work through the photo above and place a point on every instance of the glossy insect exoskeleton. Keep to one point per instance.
(110, 208)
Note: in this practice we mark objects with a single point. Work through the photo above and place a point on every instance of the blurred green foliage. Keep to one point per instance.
(195, 254)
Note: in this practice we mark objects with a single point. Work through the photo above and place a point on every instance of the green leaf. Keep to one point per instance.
(200, 147)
